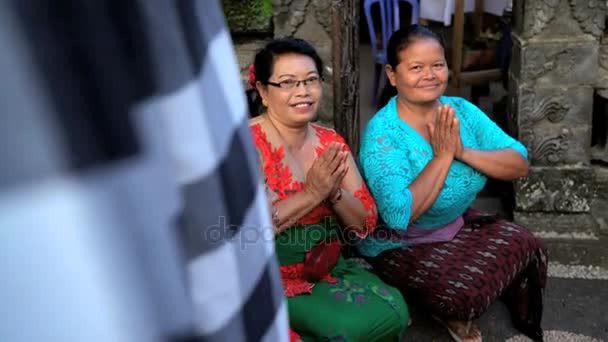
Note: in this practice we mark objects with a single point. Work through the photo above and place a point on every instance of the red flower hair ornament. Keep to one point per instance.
(252, 76)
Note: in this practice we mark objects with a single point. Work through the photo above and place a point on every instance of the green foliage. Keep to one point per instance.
(245, 16)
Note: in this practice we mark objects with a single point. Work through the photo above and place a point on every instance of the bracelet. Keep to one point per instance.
(335, 200)
(275, 217)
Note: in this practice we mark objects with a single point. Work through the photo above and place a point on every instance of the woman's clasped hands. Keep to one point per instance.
(445, 134)
(327, 172)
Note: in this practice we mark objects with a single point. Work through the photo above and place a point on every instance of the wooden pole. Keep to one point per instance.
(345, 62)
(479, 11)
(458, 34)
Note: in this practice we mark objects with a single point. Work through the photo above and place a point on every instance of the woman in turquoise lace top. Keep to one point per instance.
(425, 157)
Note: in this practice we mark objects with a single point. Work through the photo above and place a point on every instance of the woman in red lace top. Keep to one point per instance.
(317, 195)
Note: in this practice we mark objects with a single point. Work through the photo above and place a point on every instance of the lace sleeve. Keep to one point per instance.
(487, 133)
(368, 202)
(387, 171)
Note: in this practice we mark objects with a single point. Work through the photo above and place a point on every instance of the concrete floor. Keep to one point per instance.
(574, 311)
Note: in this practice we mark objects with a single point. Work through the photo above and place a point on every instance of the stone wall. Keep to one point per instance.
(250, 23)
(306, 19)
(554, 73)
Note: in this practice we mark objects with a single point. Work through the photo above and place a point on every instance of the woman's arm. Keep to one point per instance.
(504, 164)
(427, 186)
(401, 199)
(351, 212)
(289, 210)
(324, 175)
(498, 155)
(444, 138)
(401, 195)
(355, 207)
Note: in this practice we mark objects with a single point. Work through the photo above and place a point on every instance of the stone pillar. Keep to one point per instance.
(553, 74)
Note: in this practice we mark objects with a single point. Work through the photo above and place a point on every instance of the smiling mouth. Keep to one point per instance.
(302, 105)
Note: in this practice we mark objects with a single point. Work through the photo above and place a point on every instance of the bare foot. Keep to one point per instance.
(462, 331)
(465, 331)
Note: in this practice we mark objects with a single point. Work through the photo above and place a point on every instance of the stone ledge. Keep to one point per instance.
(557, 270)
(572, 252)
(600, 174)
(599, 153)
(558, 223)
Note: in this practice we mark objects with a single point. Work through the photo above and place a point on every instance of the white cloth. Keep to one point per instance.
(442, 10)
(152, 223)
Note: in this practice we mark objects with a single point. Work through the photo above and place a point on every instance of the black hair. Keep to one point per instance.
(264, 62)
(399, 41)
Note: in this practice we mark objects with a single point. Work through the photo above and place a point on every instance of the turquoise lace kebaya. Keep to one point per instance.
(393, 154)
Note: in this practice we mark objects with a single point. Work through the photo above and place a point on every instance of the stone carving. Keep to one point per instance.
(560, 57)
(560, 189)
(538, 64)
(573, 196)
(590, 15)
(543, 148)
(603, 52)
(537, 15)
(554, 108)
(322, 10)
(288, 16)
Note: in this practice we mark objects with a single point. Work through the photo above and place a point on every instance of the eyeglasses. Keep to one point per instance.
(290, 84)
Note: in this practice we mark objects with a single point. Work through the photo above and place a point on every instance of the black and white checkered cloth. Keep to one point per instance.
(131, 207)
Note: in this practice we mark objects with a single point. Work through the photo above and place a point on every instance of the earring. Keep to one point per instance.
(264, 103)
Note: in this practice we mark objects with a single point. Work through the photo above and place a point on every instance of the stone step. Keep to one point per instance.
(585, 252)
(575, 226)
(590, 272)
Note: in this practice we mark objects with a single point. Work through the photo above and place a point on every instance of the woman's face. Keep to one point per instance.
(293, 103)
(422, 73)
